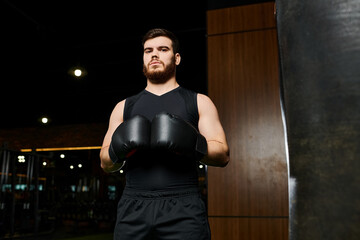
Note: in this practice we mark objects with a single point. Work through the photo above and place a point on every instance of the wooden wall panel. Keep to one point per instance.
(243, 81)
(240, 19)
(249, 228)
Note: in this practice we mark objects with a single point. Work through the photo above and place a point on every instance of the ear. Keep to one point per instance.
(177, 58)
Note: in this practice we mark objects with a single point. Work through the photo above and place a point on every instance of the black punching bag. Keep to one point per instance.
(319, 42)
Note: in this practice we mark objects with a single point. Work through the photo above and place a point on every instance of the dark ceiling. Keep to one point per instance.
(41, 41)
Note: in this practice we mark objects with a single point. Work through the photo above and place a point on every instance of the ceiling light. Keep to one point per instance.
(44, 120)
(77, 72)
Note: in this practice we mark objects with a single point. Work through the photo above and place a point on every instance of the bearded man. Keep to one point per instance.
(158, 136)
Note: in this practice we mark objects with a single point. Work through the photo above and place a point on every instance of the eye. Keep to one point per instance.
(164, 49)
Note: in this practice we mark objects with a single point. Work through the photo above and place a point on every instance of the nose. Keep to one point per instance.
(155, 54)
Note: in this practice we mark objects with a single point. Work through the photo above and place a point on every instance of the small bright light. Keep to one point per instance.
(44, 163)
(121, 171)
(44, 120)
(201, 166)
(62, 155)
(71, 167)
(21, 158)
(79, 165)
(77, 72)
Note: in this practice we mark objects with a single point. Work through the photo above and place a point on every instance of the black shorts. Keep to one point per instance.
(161, 215)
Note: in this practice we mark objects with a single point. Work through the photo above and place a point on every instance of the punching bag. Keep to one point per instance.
(319, 44)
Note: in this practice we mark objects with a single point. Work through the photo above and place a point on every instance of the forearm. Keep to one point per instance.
(218, 154)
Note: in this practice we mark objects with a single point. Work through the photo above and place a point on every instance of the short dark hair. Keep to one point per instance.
(160, 32)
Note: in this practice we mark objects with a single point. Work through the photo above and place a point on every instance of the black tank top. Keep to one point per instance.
(161, 170)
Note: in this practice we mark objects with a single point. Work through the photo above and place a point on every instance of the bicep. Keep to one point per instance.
(209, 122)
(116, 119)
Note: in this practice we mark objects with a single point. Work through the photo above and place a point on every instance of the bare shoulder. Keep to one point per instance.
(203, 98)
(118, 111)
(120, 105)
(205, 103)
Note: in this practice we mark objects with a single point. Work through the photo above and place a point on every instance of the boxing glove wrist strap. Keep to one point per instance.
(112, 155)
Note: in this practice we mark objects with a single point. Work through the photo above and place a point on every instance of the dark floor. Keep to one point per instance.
(68, 232)
(97, 236)
(61, 236)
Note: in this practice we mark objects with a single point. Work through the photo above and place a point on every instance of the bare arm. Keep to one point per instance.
(210, 127)
(116, 119)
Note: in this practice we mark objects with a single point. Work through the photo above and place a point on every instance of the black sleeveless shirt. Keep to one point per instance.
(152, 170)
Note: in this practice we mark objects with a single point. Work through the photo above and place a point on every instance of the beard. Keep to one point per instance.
(160, 76)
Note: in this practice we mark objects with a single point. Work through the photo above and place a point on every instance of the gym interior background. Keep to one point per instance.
(53, 120)
(51, 182)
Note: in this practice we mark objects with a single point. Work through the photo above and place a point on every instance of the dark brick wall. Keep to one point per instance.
(79, 135)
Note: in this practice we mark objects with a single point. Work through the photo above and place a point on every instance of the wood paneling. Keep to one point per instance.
(243, 83)
(241, 18)
(248, 228)
(249, 198)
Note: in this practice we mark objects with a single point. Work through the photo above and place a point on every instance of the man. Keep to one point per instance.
(159, 135)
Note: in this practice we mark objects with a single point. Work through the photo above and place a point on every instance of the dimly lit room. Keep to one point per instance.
(256, 135)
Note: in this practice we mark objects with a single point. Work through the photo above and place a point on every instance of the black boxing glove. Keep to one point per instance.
(130, 136)
(170, 132)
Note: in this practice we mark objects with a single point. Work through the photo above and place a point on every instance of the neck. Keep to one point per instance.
(161, 88)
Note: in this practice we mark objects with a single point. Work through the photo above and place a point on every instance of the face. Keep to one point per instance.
(159, 59)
